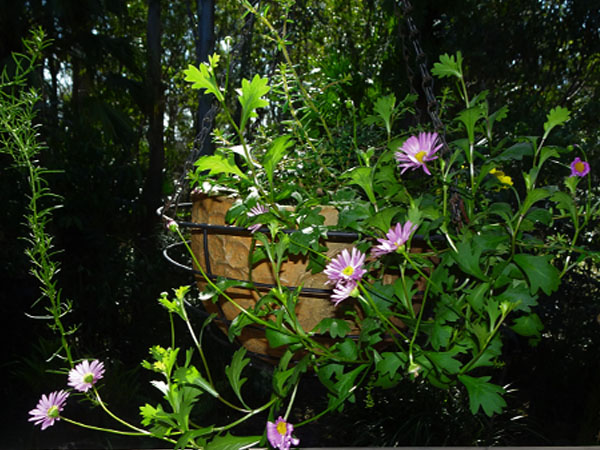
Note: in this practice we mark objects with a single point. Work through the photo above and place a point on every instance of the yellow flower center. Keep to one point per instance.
(88, 377)
(579, 166)
(399, 247)
(282, 428)
(420, 156)
(53, 411)
(348, 271)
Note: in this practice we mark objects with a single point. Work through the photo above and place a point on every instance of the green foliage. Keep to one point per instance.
(483, 394)
(448, 66)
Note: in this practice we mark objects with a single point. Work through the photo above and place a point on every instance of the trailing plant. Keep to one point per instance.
(19, 139)
(458, 235)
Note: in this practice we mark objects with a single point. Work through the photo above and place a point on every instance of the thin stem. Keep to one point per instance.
(115, 417)
(113, 431)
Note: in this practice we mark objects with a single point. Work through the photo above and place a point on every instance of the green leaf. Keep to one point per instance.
(347, 349)
(539, 271)
(515, 152)
(533, 197)
(275, 153)
(518, 294)
(278, 339)
(469, 118)
(250, 97)
(468, 259)
(217, 164)
(186, 437)
(482, 394)
(336, 327)
(390, 363)
(384, 106)
(234, 372)
(362, 177)
(476, 296)
(204, 78)
(529, 325)
(547, 152)
(382, 220)
(449, 66)
(230, 442)
(445, 360)
(565, 203)
(344, 388)
(556, 117)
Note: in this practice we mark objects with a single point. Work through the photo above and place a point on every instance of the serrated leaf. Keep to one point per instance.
(335, 327)
(565, 202)
(203, 78)
(469, 117)
(483, 394)
(382, 220)
(476, 296)
(515, 152)
(449, 66)
(251, 97)
(390, 363)
(234, 372)
(278, 339)
(518, 294)
(533, 197)
(557, 116)
(529, 325)
(275, 153)
(384, 106)
(217, 164)
(539, 271)
(347, 349)
(468, 257)
(230, 442)
(445, 360)
(362, 177)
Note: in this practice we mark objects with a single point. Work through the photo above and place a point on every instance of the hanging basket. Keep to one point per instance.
(224, 251)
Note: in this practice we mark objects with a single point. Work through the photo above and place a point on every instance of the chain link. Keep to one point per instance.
(426, 78)
(180, 186)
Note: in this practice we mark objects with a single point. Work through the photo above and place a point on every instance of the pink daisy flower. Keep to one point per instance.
(85, 374)
(417, 151)
(396, 237)
(48, 409)
(256, 211)
(343, 290)
(579, 168)
(279, 434)
(346, 267)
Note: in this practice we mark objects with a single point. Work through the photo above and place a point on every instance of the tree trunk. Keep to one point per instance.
(152, 191)
(205, 41)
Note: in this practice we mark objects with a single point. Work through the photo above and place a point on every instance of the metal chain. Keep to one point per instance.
(205, 130)
(410, 73)
(426, 78)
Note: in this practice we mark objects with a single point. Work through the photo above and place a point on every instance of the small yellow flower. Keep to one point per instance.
(502, 178)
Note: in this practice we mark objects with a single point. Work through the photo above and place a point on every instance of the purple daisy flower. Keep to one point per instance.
(85, 374)
(396, 237)
(418, 150)
(579, 168)
(343, 290)
(279, 434)
(256, 211)
(346, 267)
(48, 409)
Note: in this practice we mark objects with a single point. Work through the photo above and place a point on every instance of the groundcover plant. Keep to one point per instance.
(456, 239)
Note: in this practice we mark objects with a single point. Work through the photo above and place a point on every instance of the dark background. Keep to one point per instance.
(119, 123)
